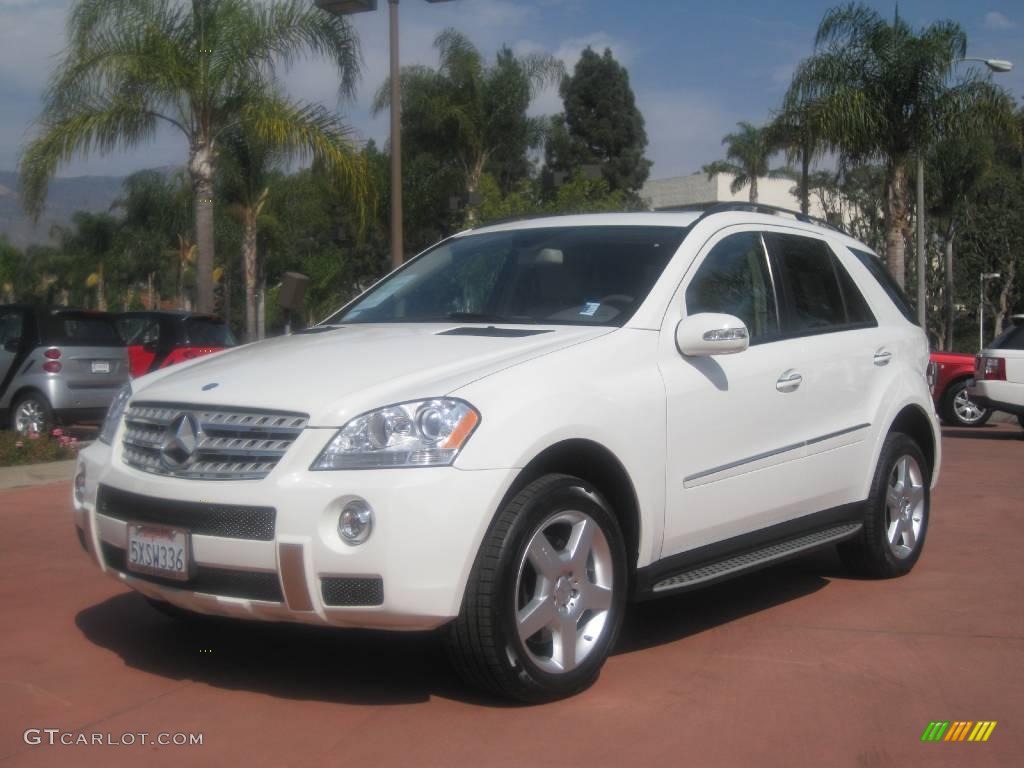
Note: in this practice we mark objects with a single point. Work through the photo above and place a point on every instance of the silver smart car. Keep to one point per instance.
(58, 365)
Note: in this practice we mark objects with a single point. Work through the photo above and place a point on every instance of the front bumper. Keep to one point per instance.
(428, 526)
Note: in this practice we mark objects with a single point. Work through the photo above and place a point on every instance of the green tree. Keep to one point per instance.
(880, 91)
(85, 249)
(202, 67)
(797, 132)
(747, 157)
(474, 111)
(601, 125)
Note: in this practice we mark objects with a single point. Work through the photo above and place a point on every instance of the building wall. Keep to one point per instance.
(697, 189)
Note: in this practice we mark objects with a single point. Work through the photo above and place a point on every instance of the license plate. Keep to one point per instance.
(101, 366)
(158, 551)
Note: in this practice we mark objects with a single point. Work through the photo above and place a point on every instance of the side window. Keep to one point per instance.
(891, 287)
(734, 279)
(814, 300)
(857, 310)
(10, 327)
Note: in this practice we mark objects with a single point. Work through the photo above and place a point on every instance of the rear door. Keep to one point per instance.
(842, 358)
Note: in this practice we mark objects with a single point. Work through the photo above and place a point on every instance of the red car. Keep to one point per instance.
(158, 339)
(950, 372)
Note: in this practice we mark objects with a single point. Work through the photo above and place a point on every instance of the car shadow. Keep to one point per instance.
(300, 662)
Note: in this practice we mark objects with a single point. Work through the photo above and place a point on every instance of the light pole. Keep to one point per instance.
(346, 8)
(994, 65)
(981, 305)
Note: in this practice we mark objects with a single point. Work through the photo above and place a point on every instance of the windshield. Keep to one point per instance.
(558, 275)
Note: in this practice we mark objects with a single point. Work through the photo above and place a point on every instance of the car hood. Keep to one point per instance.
(336, 373)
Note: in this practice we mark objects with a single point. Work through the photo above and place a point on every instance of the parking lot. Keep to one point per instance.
(796, 665)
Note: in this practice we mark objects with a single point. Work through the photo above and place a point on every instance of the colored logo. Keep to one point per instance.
(958, 730)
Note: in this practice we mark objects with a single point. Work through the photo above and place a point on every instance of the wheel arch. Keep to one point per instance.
(599, 466)
(915, 423)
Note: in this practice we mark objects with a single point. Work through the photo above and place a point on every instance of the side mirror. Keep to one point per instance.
(710, 333)
(11, 345)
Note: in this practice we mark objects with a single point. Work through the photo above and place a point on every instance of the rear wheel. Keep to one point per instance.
(32, 413)
(959, 410)
(895, 514)
(546, 596)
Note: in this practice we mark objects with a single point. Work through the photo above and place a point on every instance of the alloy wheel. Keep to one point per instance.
(29, 417)
(564, 591)
(905, 507)
(966, 410)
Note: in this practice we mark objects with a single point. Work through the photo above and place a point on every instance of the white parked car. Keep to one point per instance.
(999, 372)
(523, 428)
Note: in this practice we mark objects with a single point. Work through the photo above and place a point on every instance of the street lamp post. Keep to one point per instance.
(346, 8)
(994, 65)
(981, 305)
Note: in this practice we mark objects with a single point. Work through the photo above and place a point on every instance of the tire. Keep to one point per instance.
(1020, 420)
(882, 550)
(32, 408)
(958, 408)
(525, 560)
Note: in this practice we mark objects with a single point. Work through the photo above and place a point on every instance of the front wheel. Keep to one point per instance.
(959, 410)
(546, 596)
(895, 513)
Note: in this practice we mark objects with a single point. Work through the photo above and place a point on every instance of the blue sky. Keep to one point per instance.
(696, 67)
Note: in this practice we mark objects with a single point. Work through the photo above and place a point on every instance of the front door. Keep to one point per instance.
(733, 457)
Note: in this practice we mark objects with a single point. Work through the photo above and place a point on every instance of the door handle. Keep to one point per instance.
(882, 357)
(788, 381)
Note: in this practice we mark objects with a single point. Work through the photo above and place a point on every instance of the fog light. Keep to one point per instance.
(80, 485)
(355, 523)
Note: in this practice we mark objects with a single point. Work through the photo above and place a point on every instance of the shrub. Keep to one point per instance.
(34, 448)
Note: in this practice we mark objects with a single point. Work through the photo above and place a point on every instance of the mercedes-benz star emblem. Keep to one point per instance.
(182, 439)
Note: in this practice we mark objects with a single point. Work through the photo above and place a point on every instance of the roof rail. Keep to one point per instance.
(711, 209)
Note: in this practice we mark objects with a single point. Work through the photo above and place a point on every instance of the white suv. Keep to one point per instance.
(999, 372)
(525, 427)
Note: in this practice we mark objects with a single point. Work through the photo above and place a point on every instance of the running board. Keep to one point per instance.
(758, 558)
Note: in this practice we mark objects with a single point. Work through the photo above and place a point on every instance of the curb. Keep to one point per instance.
(36, 474)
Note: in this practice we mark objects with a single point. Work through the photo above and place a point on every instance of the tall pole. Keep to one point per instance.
(981, 313)
(922, 277)
(396, 140)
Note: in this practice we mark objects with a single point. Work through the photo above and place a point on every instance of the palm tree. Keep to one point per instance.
(472, 107)
(247, 176)
(747, 157)
(880, 91)
(204, 68)
(796, 131)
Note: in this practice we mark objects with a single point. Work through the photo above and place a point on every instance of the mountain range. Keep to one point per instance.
(81, 193)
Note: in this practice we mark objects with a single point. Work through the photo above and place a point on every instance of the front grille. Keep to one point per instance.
(352, 590)
(222, 582)
(232, 444)
(230, 521)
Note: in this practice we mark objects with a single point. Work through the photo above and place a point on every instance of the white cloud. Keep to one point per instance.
(997, 20)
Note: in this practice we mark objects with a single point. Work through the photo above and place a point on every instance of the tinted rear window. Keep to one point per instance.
(200, 332)
(1011, 338)
(83, 330)
(890, 286)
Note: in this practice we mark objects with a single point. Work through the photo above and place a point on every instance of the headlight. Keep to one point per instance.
(423, 433)
(114, 414)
